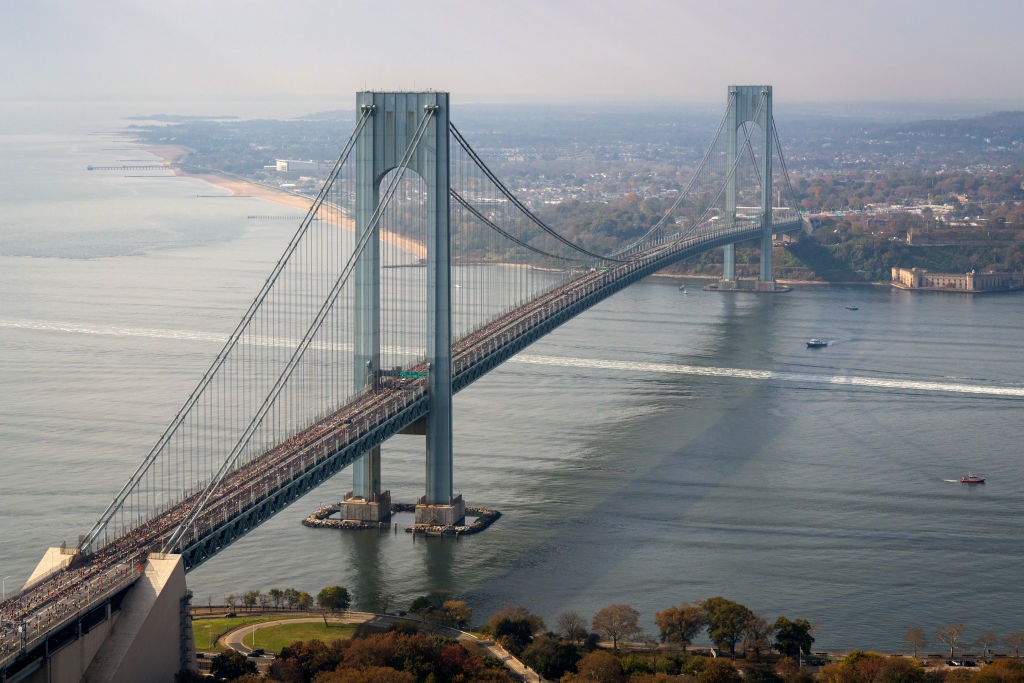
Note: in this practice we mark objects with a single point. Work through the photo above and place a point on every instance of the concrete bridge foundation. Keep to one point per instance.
(142, 634)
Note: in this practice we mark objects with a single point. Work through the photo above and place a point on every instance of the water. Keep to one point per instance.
(664, 447)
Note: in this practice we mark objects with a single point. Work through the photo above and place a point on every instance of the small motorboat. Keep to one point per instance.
(853, 308)
(816, 343)
(972, 479)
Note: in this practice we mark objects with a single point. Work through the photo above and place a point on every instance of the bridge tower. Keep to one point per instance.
(394, 119)
(753, 104)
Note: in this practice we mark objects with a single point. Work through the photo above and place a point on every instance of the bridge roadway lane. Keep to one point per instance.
(68, 594)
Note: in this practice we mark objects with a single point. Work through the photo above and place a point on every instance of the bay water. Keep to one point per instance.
(666, 446)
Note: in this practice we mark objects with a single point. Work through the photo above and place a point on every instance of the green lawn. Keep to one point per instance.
(207, 631)
(273, 638)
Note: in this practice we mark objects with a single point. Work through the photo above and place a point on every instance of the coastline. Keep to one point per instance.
(172, 156)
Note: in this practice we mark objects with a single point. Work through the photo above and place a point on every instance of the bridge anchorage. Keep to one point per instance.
(394, 294)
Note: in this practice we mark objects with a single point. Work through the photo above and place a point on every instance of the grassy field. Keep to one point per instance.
(273, 638)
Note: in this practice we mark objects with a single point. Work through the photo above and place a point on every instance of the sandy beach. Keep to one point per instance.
(238, 187)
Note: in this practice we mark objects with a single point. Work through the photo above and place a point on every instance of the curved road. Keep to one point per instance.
(234, 639)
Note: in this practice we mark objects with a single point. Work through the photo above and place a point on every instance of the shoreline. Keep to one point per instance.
(172, 156)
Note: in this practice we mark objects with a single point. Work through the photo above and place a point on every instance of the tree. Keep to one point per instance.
(290, 596)
(275, 595)
(726, 621)
(456, 613)
(572, 626)
(757, 634)
(915, 638)
(616, 622)
(421, 605)
(304, 601)
(950, 635)
(719, 671)
(600, 666)
(513, 634)
(869, 666)
(549, 657)
(230, 600)
(517, 613)
(793, 637)
(986, 641)
(231, 664)
(249, 599)
(680, 624)
(333, 599)
(1016, 641)
(1001, 671)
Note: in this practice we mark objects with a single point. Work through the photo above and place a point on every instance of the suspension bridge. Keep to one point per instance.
(414, 273)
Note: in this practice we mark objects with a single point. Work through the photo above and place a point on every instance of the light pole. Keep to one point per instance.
(4, 584)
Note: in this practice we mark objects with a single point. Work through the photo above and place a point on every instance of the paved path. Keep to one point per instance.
(234, 639)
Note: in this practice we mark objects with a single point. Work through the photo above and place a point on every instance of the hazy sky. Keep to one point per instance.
(323, 51)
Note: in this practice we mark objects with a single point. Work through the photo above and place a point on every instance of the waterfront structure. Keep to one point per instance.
(322, 369)
(970, 282)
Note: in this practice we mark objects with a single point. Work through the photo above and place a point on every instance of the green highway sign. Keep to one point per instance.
(412, 375)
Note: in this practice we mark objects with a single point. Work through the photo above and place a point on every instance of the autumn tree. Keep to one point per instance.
(231, 664)
(572, 626)
(680, 624)
(600, 666)
(455, 613)
(950, 635)
(1015, 641)
(757, 634)
(986, 641)
(719, 671)
(726, 621)
(1000, 671)
(515, 613)
(861, 666)
(616, 622)
(915, 638)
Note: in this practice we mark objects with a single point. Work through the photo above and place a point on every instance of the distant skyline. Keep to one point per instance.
(320, 52)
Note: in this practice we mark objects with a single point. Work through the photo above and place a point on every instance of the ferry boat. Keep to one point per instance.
(816, 343)
(972, 479)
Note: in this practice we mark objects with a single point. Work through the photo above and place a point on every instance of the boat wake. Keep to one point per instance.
(854, 381)
(770, 375)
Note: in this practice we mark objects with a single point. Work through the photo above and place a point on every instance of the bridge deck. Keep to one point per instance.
(260, 488)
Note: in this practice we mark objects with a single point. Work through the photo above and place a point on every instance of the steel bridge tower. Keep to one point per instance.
(750, 104)
(394, 118)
